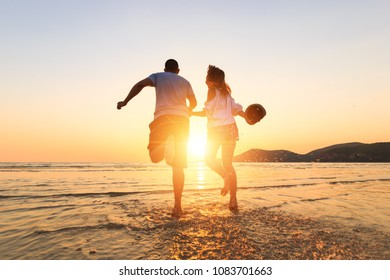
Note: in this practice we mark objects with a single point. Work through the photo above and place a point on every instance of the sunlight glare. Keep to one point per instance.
(196, 146)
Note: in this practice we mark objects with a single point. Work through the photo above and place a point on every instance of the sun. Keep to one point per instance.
(197, 143)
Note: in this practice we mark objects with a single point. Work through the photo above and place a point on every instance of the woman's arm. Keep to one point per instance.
(242, 114)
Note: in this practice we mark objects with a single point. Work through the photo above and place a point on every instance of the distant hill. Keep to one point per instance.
(348, 152)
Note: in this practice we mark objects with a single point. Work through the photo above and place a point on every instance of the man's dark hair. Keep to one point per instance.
(171, 65)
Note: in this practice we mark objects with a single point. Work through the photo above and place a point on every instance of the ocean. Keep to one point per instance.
(117, 211)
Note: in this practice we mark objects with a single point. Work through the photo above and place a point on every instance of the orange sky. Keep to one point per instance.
(321, 70)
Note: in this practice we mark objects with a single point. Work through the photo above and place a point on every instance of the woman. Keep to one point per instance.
(220, 109)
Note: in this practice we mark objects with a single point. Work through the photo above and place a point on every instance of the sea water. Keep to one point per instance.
(122, 210)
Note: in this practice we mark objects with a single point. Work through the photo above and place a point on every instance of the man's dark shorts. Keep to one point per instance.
(164, 126)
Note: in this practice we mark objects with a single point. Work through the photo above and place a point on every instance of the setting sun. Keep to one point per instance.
(197, 144)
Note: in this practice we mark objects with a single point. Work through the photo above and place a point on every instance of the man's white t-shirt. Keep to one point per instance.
(172, 92)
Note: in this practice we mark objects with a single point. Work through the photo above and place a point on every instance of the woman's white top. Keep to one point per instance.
(221, 110)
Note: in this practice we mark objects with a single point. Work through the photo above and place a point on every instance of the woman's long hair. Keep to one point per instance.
(217, 77)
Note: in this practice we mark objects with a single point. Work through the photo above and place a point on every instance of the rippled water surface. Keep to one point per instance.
(122, 211)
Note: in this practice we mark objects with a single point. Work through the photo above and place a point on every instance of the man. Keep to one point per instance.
(171, 120)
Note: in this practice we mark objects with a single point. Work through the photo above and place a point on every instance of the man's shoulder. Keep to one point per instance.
(171, 76)
(182, 78)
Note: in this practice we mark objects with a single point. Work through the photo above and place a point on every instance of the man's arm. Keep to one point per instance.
(193, 102)
(134, 91)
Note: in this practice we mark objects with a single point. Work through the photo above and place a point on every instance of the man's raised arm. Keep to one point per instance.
(134, 91)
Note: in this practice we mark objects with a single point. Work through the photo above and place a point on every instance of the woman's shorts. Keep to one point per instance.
(223, 134)
(164, 126)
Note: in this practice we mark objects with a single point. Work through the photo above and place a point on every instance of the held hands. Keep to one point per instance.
(198, 113)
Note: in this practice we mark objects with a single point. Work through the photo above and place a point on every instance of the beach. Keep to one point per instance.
(115, 211)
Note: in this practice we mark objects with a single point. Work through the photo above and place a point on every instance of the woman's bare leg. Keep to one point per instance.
(215, 165)
(211, 158)
(227, 161)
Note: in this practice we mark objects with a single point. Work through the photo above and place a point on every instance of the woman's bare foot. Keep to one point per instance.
(226, 185)
(224, 190)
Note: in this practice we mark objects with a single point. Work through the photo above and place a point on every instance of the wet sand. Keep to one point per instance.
(274, 235)
(265, 234)
(215, 233)
(207, 231)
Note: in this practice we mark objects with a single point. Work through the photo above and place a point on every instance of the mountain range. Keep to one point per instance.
(347, 152)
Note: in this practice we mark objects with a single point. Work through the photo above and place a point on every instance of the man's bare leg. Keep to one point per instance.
(169, 153)
(178, 185)
(157, 154)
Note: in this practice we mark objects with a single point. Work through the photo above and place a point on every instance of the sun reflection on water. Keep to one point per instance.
(200, 175)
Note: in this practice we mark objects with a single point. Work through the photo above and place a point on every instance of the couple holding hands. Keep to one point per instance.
(171, 125)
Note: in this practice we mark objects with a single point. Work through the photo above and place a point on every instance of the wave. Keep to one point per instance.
(316, 183)
(303, 200)
(314, 199)
(141, 192)
(40, 208)
(83, 228)
(75, 167)
(89, 194)
(110, 194)
(359, 181)
(107, 226)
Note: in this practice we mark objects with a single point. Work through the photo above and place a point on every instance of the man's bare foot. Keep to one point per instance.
(233, 206)
(226, 185)
(177, 212)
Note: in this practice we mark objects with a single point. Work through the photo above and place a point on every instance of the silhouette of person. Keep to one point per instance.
(220, 109)
(169, 129)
